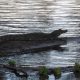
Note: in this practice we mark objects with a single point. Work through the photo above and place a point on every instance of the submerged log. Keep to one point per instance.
(18, 71)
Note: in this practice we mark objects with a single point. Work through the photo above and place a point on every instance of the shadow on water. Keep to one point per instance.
(18, 48)
(57, 48)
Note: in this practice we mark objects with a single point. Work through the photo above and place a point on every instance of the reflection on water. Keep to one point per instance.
(68, 76)
(21, 16)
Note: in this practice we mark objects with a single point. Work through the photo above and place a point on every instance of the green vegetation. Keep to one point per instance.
(57, 73)
(77, 69)
(43, 73)
(12, 63)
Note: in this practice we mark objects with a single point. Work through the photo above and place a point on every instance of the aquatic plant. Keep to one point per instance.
(57, 72)
(12, 63)
(43, 73)
(77, 70)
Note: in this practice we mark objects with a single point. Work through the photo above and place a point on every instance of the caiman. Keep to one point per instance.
(37, 36)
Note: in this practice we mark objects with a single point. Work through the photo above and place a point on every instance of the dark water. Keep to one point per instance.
(22, 16)
(51, 58)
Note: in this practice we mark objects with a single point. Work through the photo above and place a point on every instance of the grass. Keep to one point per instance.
(12, 63)
(43, 73)
(57, 73)
(77, 70)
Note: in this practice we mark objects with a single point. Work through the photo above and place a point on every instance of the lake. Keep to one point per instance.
(22, 16)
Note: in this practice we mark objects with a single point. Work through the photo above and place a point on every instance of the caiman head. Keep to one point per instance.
(58, 32)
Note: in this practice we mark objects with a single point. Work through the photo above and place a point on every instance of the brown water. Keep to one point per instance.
(24, 16)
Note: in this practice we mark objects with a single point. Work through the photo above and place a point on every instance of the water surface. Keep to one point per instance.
(25, 16)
